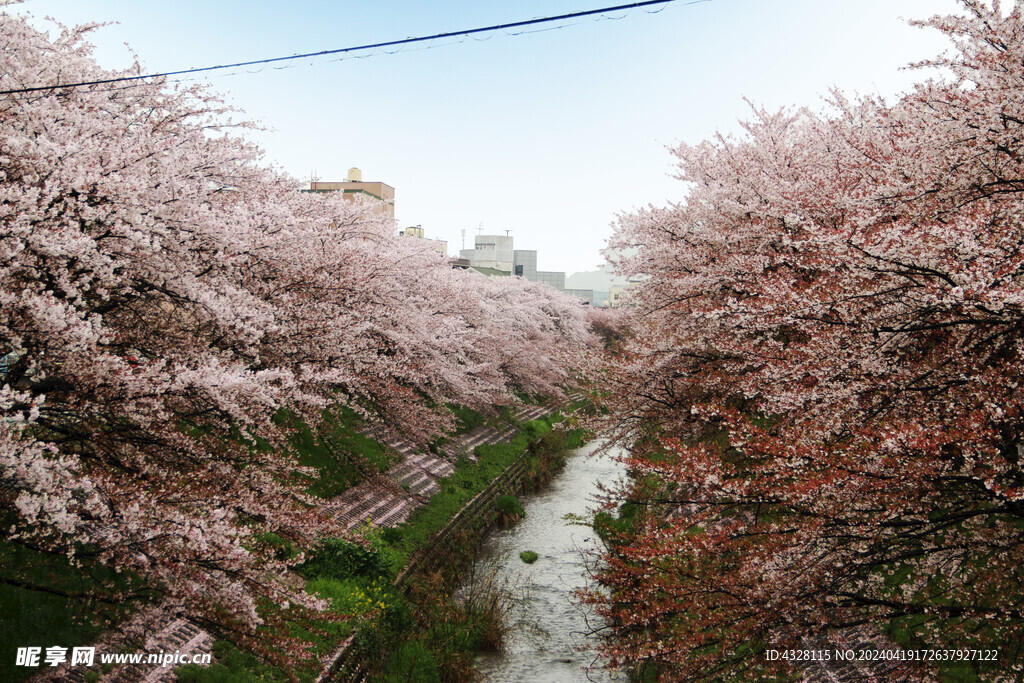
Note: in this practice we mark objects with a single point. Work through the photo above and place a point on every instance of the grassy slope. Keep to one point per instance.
(360, 590)
(343, 457)
(55, 616)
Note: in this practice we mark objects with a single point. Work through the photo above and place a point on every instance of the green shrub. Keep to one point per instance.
(610, 528)
(528, 556)
(281, 548)
(534, 429)
(339, 559)
(377, 636)
(341, 454)
(510, 506)
(231, 665)
(353, 596)
(487, 605)
(468, 419)
(391, 535)
(410, 663)
(371, 641)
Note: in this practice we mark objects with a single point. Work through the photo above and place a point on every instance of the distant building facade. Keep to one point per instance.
(586, 294)
(354, 186)
(607, 287)
(416, 231)
(490, 251)
(524, 264)
(494, 255)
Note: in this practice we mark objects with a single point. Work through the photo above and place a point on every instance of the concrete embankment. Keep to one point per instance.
(387, 500)
(452, 547)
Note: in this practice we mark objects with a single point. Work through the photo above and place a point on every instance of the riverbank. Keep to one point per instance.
(429, 635)
(550, 633)
(470, 458)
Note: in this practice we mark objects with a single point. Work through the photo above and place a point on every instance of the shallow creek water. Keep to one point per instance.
(549, 628)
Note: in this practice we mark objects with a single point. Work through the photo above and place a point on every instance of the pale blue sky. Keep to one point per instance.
(548, 134)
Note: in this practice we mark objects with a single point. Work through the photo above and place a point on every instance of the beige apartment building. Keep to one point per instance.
(416, 231)
(354, 186)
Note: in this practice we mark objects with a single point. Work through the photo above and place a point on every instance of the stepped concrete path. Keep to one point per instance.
(167, 635)
(465, 444)
(385, 500)
(389, 499)
(178, 636)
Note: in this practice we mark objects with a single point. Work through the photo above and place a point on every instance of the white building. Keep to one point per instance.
(495, 253)
(607, 286)
(490, 251)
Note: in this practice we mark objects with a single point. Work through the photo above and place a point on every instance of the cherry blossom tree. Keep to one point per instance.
(164, 294)
(821, 387)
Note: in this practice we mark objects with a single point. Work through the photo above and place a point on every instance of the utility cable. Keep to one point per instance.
(359, 48)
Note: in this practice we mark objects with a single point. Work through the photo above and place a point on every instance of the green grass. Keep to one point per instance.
(469, 479)
(356, 579)
(231, 666)
(342, 456)
(468, 419)
(510, 506)
(412, 661)
(528, 556)
(72, 611)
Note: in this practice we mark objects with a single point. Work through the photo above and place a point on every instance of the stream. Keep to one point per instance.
(549, 629)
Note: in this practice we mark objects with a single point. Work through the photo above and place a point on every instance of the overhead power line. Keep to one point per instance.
(358, 48)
